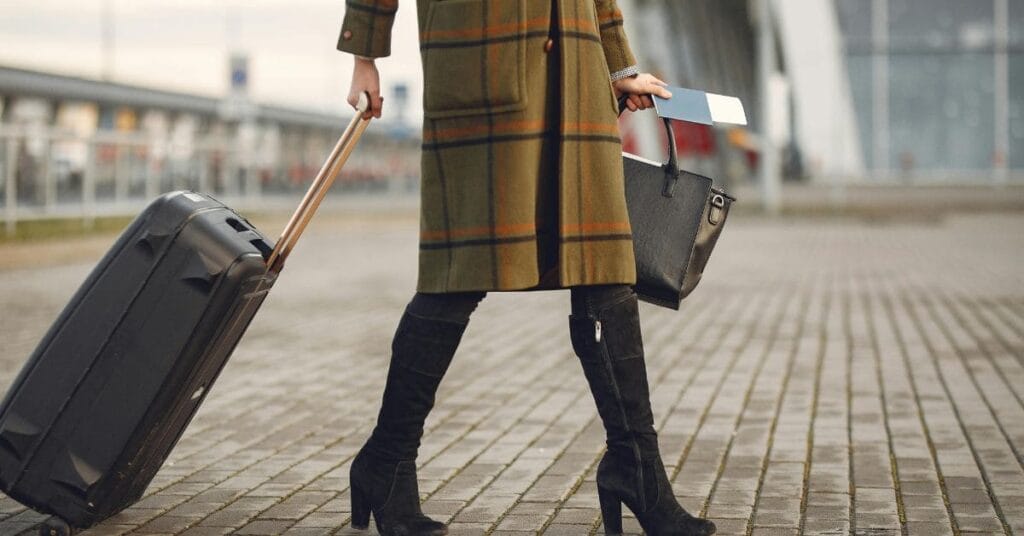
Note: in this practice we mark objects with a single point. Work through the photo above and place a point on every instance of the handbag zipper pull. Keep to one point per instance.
(597, 331)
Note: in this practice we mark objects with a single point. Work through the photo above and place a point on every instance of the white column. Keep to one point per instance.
(49, 181)
(1002, 92)
(825, 123)
(880, 100)
(89, 185)
(771, 181)
(202, 156)
(152, 186)
(11, 187)
(120, 172)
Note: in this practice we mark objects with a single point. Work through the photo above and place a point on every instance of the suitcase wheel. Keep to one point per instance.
(55, 526)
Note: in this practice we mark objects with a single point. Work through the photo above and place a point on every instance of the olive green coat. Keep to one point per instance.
(522, 183)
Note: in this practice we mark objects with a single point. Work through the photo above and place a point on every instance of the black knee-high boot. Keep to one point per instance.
(609, 345)
(383, 473)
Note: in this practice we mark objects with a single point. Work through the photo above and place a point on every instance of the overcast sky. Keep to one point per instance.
(183, 45)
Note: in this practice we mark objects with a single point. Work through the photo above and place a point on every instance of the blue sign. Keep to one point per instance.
(239, 72)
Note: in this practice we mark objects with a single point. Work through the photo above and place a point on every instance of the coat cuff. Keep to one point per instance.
(366, 28)
(613, 37)
(632, 70)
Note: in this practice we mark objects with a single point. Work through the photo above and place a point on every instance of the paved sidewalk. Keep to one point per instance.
(828, 377)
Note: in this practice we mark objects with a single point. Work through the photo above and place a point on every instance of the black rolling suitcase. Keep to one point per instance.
(111, 387)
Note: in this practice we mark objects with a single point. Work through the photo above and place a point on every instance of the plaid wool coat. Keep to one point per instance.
(522, 184)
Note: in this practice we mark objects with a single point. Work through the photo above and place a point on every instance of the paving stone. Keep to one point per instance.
(927, 528)
(926, 514)
(559, 529)
(978, 523)
(205, 531)
(309, 531)
(576, 516)
(730, 526)
(730, 511)
(826, 527)
(168, 524)
(109, 529)
(264, 527)
(860, 367)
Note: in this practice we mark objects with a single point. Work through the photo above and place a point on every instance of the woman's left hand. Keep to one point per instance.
(640, 88)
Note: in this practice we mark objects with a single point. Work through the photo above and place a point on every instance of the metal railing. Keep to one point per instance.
(52, 173)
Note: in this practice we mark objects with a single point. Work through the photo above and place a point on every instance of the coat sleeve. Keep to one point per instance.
(366, 28)
(621, 62)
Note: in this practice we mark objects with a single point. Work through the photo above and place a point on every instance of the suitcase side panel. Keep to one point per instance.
(138, 380)
(65, 353)
(155, 442)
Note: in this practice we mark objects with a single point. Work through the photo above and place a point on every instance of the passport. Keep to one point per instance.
(698, 106)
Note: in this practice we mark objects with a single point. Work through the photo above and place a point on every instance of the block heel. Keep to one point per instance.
(360, 509)
(611, 512)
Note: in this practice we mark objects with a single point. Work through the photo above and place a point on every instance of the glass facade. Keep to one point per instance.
(855, 23)
(1016, 72)
(940, 26)
(940, 112)
(1016, 111)
(941, 59)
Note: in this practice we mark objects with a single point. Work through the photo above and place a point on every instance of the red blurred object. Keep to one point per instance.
(629, 143)
(691, 138)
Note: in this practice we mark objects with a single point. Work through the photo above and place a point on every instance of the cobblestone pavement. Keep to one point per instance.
(828, 377)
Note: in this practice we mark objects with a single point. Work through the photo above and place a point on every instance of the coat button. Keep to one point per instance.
(548, 45)
(347, 34)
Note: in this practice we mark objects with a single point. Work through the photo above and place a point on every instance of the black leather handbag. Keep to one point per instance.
(676, 218)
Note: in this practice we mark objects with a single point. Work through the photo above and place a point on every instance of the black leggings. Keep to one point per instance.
(586, 300)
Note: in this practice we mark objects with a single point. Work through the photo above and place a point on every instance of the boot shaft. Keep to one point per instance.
(422, 350)
(609, 345)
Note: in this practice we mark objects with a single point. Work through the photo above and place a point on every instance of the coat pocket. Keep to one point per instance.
(473, 54)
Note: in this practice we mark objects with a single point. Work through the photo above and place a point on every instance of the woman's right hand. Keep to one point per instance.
(366, 78)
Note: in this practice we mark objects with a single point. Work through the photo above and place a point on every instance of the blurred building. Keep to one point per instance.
(72, 142)
(843, 91)
(875, 90)
(938, 85)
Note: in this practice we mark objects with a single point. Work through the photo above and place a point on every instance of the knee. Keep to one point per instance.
(451, 306)
(587, 300)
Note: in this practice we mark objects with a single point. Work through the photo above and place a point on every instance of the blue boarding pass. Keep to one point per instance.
(698, 106)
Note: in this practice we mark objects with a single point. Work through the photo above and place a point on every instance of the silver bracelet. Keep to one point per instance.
(632, 70)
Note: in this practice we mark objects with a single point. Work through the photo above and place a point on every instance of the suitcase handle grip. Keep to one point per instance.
(324, 179)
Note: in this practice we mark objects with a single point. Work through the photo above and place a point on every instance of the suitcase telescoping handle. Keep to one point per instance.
(324, 179)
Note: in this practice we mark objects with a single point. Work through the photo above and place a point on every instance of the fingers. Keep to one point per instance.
(657, 87)
(640, 90)
(376, 102)
(374, 106)
(660, 91)
(634, 103)
(365, 78)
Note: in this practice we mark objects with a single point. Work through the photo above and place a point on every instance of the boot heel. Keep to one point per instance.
(360, 509)
(611, 512)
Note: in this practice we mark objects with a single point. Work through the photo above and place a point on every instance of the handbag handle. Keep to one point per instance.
(672, 166)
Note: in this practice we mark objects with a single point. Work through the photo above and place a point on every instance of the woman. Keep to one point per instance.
(522, 189)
